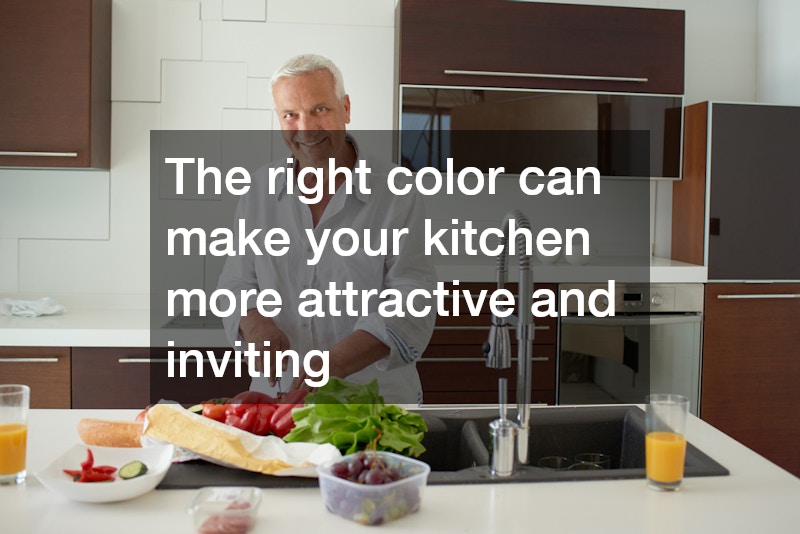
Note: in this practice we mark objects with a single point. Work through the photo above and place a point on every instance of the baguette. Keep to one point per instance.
(107, 433)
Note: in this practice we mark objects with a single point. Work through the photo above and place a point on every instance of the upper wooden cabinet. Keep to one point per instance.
(752, 192)
(55, 87)
(540, 45)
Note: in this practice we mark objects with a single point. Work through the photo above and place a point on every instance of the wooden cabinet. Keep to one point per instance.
(541, 45)
(453, 368)
(751, 367)
(46, 370)
(136, 377)
(753, 192)
(55, 88)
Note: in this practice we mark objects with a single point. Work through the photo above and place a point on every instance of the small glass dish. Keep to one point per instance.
(225, 508)
(603, 460)
(554, 463)
(375, 504)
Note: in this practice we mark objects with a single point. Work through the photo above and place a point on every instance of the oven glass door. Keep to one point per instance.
(623, 359)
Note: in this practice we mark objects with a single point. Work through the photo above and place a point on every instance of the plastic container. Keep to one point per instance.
(375, 504)
(223, 509)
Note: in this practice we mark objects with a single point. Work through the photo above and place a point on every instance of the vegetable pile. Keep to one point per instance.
(352, 416)
(256, 412)
(104, 473)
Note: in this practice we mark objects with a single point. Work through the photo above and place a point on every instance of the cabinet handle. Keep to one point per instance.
(547, 76)
(149, 360)
(467, 360)
(762, 296)
(29, 360)
(39, 154)
(475, 327)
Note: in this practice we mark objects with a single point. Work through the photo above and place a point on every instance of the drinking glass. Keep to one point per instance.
(14, 403)
(665, 441)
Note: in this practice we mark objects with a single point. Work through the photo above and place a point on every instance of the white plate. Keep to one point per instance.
(157, 460)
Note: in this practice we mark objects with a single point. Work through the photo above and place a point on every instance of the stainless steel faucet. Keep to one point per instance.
(497, 347)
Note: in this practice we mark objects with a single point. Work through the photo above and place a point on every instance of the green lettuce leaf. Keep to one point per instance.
(351, 416)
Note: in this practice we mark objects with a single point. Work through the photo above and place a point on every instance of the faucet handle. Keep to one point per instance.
(497, 348)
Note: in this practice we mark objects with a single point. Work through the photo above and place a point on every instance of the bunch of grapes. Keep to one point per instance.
(371, 502)
(366, 468)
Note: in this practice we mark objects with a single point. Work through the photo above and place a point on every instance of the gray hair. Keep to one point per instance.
(305, 63)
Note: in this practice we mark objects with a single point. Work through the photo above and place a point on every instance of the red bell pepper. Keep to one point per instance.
(258, 413)
(253, 418)
(234, 413)
(282, 420)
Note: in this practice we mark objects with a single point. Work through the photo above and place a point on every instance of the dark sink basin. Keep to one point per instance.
(458, 450)
(458, 445)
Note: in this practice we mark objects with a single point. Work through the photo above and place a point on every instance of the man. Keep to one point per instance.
(313, 110)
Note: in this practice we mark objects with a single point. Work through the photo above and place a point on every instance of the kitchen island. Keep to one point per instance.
(757, 496)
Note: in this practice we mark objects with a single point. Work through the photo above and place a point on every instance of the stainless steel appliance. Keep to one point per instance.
(651, 345)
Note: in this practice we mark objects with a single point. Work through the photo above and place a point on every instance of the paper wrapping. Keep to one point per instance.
(233, 447)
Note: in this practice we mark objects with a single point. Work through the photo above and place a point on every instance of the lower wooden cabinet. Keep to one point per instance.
(450, 379)
(135, 377)
(453, 368)
(46, 370)
(751, 367)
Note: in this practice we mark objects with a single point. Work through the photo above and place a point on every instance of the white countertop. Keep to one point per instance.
(757, 497)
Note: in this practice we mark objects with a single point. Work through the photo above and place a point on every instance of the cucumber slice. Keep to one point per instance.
(132, 470)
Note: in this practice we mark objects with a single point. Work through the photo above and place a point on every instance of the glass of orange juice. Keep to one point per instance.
(665, 441)
(14, 403)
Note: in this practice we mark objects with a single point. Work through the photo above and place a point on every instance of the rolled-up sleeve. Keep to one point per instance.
(238, 275)
(411, 269)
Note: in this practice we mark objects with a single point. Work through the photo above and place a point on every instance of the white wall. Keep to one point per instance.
(206, 64)
(778, 52)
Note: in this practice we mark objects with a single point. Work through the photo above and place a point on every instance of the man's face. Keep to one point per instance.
(312, 118)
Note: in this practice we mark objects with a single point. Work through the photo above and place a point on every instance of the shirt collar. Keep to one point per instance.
(290, 164)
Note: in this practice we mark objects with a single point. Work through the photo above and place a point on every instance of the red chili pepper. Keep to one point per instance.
(90, 472)
(87, 464)
(107, 469)
(96, 476)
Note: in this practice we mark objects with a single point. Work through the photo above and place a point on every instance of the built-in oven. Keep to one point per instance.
(652, 344)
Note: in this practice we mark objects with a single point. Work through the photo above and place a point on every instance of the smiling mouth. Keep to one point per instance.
(311, 144)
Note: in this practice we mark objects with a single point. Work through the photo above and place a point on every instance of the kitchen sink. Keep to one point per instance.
(616, 431)
(458, 450)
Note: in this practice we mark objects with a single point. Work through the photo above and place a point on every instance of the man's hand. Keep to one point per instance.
(255, 328)
(355, 352)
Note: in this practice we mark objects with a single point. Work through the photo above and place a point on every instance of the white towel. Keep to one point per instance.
(31, 308)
